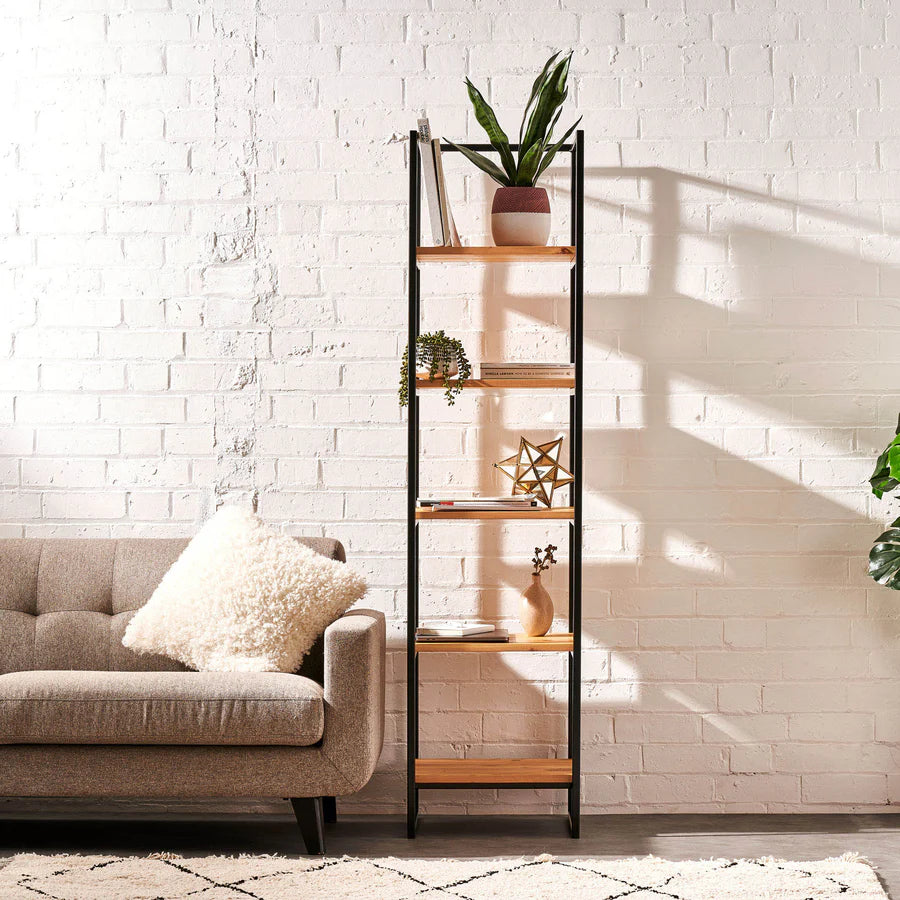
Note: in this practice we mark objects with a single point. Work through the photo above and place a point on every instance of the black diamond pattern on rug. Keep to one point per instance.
(278, 878)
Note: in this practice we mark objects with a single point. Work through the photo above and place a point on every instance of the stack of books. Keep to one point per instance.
(450, 630)
(499, 371)
(443, 228)
(519, 501)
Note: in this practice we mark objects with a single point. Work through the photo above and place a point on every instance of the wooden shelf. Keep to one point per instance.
(568, 262)
(501, 383)
(493, 772)
(496, 254)
(517, 643)
(535, 512)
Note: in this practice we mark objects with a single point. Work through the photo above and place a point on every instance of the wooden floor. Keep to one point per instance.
(674, 837)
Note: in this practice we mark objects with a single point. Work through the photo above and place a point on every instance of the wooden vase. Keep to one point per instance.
(536, 609)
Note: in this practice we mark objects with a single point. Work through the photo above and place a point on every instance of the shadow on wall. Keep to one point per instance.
(702, 462)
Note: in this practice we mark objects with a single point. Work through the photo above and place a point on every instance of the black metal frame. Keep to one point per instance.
(576, 412)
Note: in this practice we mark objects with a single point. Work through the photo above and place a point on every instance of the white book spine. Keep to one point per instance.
(451, 628)
(442, 194)
(453, 632)
(486, 506)
(527, 373)
(526, 367)
(429, 180)
(550, 370)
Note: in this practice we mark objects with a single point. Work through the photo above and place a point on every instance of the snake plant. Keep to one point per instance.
(884, 558)
(542, 111)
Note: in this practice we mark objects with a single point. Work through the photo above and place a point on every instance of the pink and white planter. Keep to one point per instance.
(520, 216)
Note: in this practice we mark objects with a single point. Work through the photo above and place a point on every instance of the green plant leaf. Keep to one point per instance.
(528, 166)
(886, 476)
(882, 485)
(884, 558)
(487, 119)
(530, 163)
(552, 151)
(483, 163)
(551, 96)
(438, 352)
(549, 135)
(538, 82)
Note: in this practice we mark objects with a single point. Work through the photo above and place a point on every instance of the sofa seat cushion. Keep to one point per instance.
(248, 708)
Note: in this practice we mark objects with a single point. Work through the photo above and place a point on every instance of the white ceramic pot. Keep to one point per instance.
(520, 217)
(535, 609)
(422, 369)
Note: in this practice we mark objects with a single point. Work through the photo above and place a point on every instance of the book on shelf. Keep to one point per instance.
(443, 228)
(518, 501)
(478, 498)
(429, 180)
(453, 628)
(475, 505)
(526, 370)
(448, 226)
(497, 636)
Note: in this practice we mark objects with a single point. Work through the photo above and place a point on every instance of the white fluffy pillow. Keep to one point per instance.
(242, 598)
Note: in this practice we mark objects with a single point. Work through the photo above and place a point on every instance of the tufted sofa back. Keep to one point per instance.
(65, 604)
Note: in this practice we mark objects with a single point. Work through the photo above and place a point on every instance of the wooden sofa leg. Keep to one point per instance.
(308, 811)
(329, 810)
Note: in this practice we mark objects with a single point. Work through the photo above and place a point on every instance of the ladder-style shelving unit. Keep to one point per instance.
(499, 773)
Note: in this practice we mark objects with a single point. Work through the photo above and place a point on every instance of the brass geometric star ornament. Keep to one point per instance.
(535, 469)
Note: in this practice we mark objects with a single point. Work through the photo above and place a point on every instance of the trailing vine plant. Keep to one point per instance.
(439, 353)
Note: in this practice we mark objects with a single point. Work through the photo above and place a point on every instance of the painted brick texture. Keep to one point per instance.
(202, 248)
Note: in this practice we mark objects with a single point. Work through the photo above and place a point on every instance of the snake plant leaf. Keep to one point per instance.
(884, 558)
(538, 83)
(887, 470)
(549, 135)
(483, 163)
(528, 166)
(526, 174)
(552, 151)
(487, 119)
(537, 89)
(551, 96)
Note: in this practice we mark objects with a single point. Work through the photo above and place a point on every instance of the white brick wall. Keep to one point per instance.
(202, 274)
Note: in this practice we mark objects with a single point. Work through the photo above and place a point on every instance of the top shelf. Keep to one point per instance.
(495, 254)
(490, 148)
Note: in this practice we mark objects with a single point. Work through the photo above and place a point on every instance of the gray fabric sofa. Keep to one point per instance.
(82, 716)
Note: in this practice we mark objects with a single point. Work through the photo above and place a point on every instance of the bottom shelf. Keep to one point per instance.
(468, 773)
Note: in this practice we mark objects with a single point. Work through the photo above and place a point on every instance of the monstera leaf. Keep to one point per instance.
(887, 470)
(884, 558)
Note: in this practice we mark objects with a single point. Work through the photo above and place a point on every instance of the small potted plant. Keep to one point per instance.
(520, 212)
(884, 558)
(437, 354)
(536, 607)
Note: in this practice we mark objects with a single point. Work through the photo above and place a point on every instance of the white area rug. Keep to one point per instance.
(277, 878)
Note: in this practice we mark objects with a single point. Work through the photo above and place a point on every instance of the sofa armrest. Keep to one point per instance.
(354, 695)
